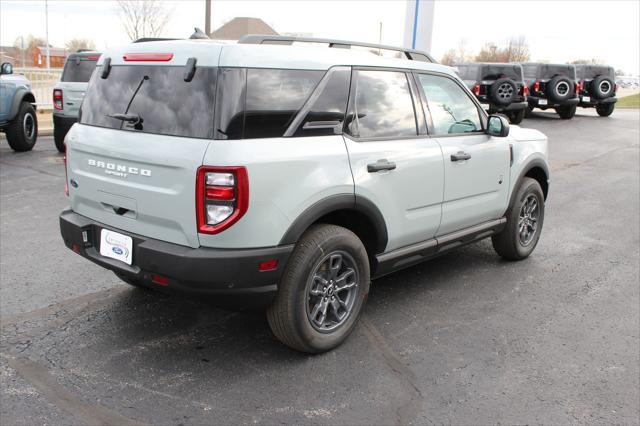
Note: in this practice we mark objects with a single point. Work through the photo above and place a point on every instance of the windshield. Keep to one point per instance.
(78, 70)
(157, 95)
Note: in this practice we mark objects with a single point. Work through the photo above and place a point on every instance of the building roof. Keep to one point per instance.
(53, 51)
(239, 27)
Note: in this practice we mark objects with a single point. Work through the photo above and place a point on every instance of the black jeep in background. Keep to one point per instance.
(597, 88)
(499, 85)
(552, 86)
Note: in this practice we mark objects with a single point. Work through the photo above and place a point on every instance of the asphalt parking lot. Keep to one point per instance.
(466, 338)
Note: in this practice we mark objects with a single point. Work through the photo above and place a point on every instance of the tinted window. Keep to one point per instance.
(273, 99)
(452, 111)
(382, 106)
(78, 71)
(230, 103)
(549, 71)
(494, 72)
(164, 101)
(329, 107)
(468, 72)
(592, 71)
(530, 71)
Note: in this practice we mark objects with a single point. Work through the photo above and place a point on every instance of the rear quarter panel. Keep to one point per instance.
(286, 176)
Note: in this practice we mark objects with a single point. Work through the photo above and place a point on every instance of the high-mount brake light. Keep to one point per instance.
(148, 57)
(57, 99)
(222, 197)
(93, 58)
(476, 90)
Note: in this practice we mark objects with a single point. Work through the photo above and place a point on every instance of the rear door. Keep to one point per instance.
(139, 175)
(74, 81)
(394, 164)
(476, 166)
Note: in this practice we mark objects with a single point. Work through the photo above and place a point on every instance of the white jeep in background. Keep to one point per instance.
(290, 176)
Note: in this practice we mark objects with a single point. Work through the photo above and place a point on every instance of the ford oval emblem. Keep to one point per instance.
(117, 250)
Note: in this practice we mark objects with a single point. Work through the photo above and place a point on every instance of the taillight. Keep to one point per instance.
(222, 197)
(147, 57)
(525, 90)
(476, 90)
(615, 88)
(536, 86)
(57, 99)
(578, 87)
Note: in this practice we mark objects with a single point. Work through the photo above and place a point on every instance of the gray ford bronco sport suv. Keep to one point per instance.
(18, 118)
(290, 176)
(69, 92)
(500, 86)
(552, 86)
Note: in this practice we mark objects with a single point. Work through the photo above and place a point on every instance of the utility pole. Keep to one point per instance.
(207, 17)
(46, 17)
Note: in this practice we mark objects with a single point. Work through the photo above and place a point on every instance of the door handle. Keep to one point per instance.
(460, 156)
(380, 165)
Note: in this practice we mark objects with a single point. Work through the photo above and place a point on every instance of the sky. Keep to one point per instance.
(557, 30)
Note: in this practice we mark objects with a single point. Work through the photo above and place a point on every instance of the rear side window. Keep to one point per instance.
(382, 106)
(78, 70)
(158, 95)
(530, 71)
(452, 110)
(494, 72)
(328, 110)
(273, 99)
(468, 72)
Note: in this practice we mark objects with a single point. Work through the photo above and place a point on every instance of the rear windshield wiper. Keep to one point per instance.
(130, 118)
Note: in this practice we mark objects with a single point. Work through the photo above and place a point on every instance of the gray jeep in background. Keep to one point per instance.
(552, 86)
(17, 110)
(500, 86)
(69, 92)
(597, 88)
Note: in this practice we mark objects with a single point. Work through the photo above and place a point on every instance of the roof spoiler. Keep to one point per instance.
(411, 54)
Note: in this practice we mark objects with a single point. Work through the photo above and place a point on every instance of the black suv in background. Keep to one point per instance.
(597, 88)
(499, 85)
(552, 86)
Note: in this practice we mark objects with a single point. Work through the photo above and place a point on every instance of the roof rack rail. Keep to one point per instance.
(411, 54)
(146, 39)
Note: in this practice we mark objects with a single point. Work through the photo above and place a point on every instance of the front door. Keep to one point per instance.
(476, 166)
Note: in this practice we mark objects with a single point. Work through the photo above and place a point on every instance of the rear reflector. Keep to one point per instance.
(268, 265)
(148, 57)
(159, 279)
(220, 192)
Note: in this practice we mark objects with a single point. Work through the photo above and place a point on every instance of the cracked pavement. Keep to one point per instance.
(466, 338)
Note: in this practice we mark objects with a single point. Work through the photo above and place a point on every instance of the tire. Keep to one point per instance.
(58, 138)
(602, 87)
(560, 88)
(129, 281)
(502, 91)
(22, 133)
(566, 112)
(517, 116)
(299, 295)
(508, 243)
(605, 110)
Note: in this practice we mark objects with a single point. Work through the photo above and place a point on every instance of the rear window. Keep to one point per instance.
(468, 72)
(158, 95)
(78, 70)
(494, 72)
(592, 71)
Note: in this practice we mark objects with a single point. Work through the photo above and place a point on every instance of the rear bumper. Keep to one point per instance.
(231, 277)
(515, 106)
(534, 102)
(63, 123)
(595, 102)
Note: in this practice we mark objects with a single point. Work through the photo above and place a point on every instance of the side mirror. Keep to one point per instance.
(6, 68)
(498, 125)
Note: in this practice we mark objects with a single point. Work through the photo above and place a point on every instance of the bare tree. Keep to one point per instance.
(449, 57)
(489, 53)
(143, 18)
(80, 43)
(517, 50)
(24, 55)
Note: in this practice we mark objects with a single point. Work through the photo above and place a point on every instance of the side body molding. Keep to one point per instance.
(334, 203)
